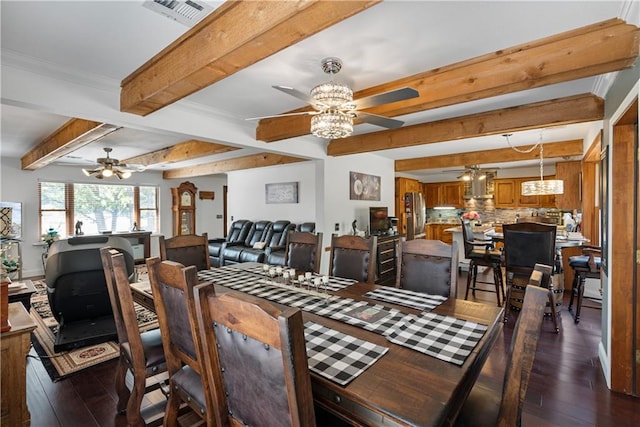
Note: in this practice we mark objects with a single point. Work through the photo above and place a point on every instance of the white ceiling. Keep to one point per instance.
(105, 41)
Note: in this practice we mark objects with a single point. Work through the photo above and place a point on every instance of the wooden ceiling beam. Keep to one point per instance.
(600, 48)
(501, 155)
(239, 163)
(563, 111)
(181, 151)
(234, 36)
(74, 134)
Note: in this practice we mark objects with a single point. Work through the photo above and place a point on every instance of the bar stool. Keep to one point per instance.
(584, 266)
(481, 253)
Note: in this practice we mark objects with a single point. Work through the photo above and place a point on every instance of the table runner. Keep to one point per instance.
(407, 298)
(337, 356)
(335, 283)
(444, 337)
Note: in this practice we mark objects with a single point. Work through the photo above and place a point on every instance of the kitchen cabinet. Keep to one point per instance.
(508, 194)
(444, 194)
(504, 193)
(436, 231)
(570, 173)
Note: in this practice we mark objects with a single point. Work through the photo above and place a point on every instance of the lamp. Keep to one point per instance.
(539, 187)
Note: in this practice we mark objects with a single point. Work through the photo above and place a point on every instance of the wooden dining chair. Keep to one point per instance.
(172, 286)
(525, 245)
(256, 360)
(488, 407)
(187, 250)
(428, 266)
(353, 257)
(140, 353)
(304, 251)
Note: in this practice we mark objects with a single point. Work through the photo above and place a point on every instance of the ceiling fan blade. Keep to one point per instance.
(374, 119)
(297, 94)
(89, 172)
(386, 98)
(302, 113)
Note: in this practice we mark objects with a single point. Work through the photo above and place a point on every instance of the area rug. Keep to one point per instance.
(62, 365)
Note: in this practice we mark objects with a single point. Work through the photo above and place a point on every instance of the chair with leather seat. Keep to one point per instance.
(428, 266)
(237, 233)
(353, 257)
(525, 245)
(187, 249)
(304, 251)
(585, 266)
(306, 227)
(256, 360)
(77, 290)
(140, 353)
(172, 286)
(487, 407)
(481, 253)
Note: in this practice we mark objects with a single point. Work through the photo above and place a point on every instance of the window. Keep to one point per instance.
(99, 207)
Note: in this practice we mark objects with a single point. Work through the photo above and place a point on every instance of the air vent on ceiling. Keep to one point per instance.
(185, 12)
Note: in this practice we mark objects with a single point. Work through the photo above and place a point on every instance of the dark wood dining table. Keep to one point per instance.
(404, 387)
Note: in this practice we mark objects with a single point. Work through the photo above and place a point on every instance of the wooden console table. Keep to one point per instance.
(15, 346)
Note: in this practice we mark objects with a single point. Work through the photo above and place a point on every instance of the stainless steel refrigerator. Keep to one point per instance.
(415, 214)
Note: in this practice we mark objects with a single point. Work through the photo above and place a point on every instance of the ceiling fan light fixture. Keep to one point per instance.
(331, 94)
(107, 172)
(332, 124)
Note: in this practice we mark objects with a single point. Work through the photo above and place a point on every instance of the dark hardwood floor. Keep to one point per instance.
(567, 387)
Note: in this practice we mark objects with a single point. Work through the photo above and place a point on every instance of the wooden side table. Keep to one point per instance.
(23, 294)
(14, 346)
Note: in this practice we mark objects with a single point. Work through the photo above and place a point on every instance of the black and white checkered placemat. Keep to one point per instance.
(443, 337)
(407, 298)
(337, 356)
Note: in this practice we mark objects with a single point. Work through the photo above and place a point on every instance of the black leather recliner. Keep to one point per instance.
(237, 233)
(77, 289)
(277, 245)
(232, 252)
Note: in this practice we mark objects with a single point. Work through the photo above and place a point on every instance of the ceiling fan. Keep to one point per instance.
(110, 167)
(335, 107)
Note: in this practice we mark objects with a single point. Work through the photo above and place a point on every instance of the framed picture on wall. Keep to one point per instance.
(282, 192)
(363, 186)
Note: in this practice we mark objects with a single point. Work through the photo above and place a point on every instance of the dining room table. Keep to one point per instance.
(377, 355)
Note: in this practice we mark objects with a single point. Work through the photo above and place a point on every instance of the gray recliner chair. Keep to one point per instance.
(77, 289)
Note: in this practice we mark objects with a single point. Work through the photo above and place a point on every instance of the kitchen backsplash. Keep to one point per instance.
(487, 211)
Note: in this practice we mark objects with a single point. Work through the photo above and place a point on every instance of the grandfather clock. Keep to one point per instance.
(184, 209)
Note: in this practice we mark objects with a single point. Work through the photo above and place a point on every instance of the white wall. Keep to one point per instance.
(21, 186)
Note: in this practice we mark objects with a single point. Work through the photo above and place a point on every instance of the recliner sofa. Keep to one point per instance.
(249, 241)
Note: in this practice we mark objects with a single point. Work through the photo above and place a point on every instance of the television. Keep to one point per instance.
(378, 221)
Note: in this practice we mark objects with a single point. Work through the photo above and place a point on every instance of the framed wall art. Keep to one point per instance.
(282, 192)
(363, 186)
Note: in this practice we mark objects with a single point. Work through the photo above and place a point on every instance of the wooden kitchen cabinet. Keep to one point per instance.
(570, 173)
(444, 194)
(508, 194)
(504, 195)
(436, 231)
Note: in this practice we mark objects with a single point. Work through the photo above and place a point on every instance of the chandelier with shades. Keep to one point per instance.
(539, 187)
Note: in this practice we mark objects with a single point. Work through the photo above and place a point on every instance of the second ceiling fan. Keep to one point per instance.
(335, 107)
